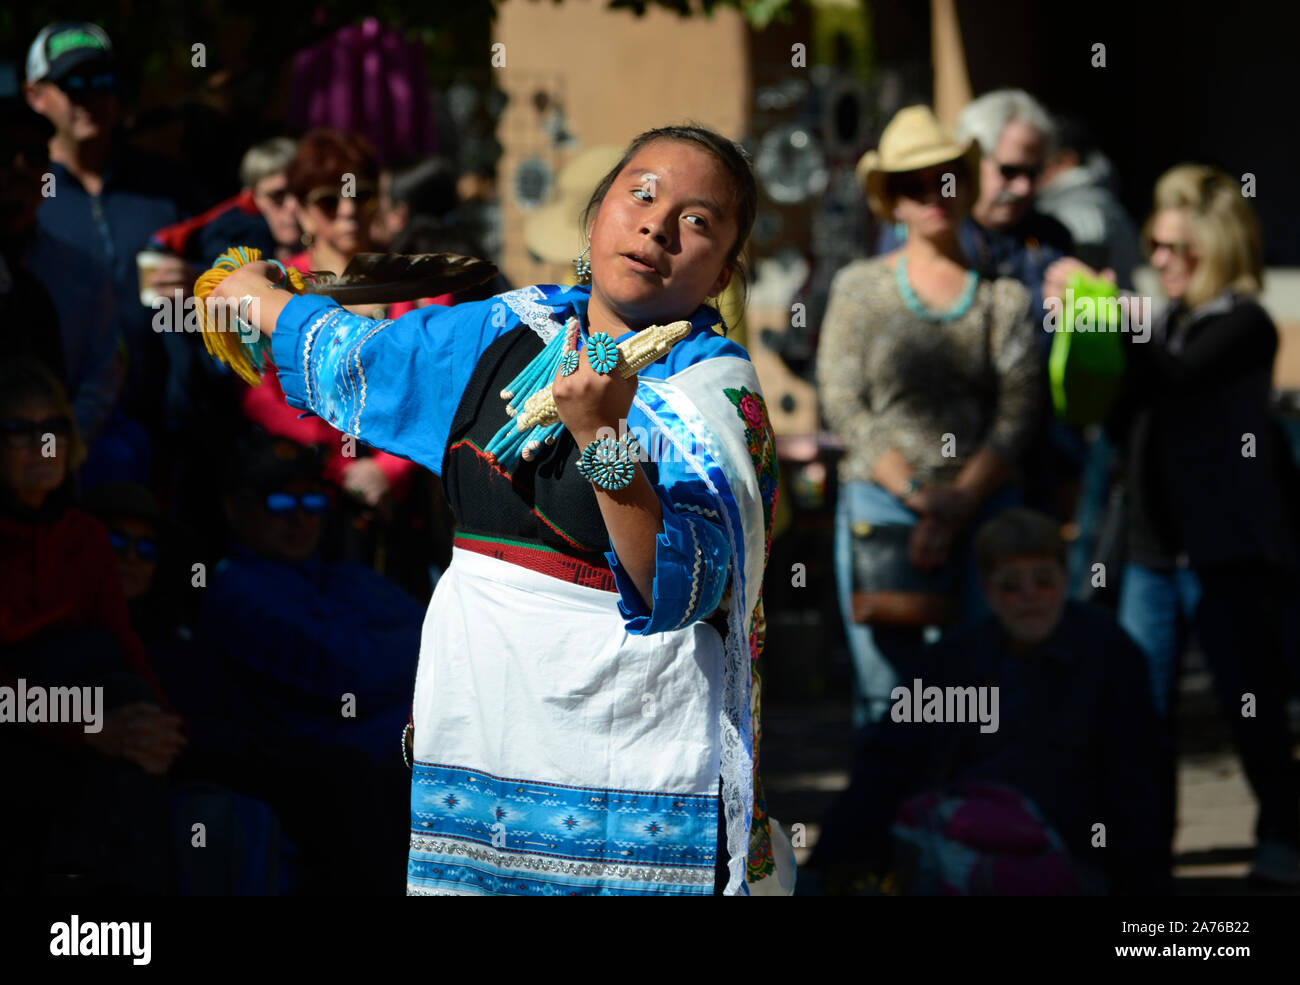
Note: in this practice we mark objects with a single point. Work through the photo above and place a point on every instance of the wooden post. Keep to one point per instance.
(952, 89)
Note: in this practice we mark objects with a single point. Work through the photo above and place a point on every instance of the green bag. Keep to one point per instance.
(1086, 363)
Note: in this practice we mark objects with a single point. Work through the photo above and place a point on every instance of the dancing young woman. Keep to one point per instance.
(585, 713)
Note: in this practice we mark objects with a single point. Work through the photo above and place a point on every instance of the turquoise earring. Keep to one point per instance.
(583, 265)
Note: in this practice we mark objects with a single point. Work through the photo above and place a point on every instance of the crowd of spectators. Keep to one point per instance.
(246, 587)
(247, 584)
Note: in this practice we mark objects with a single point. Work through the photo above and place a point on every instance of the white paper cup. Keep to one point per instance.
(146, 262)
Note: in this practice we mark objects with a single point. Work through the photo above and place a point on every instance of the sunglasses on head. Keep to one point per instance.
(146, 548)
(1012, 582)
(99, 82)
(19, 432)
(1013, 171)
(283, 504)
(328, 199)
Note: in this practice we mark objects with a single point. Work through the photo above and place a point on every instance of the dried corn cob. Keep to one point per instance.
(634, 354)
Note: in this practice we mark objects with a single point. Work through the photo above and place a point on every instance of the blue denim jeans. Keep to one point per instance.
(883, 656)
(1156, 608)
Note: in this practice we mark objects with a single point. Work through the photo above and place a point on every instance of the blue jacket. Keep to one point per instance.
(141, 193)
(313, 632)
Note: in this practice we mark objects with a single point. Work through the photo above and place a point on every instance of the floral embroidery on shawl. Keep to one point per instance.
(762, 449)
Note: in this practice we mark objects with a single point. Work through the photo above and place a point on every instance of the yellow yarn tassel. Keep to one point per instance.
(223, 341)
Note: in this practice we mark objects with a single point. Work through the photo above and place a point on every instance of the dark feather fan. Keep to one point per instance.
(381, 278)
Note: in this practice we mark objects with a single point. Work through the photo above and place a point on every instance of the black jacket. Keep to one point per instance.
(1202, 461)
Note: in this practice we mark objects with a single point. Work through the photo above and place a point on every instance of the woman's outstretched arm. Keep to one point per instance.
(394, 385)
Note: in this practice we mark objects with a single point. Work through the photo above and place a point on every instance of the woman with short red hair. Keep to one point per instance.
(333, 180)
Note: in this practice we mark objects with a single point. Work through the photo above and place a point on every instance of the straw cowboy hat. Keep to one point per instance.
(913, 140)
(554, 232)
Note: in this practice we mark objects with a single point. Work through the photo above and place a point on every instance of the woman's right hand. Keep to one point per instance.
(366, 481)
(1059, 272)
(944, 500)
(141, 733)
(260, 281)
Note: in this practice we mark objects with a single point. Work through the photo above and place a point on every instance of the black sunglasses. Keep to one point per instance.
(327, 199)
(1042, 579)
(1013, 171)
(917, 185)
(146, 548)
(20, 432)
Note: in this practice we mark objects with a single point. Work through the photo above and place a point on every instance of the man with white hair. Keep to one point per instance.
(1008, 237)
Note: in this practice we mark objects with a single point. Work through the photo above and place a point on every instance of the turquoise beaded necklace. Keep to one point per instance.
(915, 304)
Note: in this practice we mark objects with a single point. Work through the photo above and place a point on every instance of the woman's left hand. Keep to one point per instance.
(588, 401)
(931, 539)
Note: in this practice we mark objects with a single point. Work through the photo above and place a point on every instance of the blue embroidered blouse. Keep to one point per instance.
(396, 385)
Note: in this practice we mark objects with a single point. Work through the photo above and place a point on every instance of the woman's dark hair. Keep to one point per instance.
(324, 156)
(1017, 533)
(426, 235)
(734, 161)
(427, 187)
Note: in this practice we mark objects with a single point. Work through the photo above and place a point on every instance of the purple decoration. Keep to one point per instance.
(369, 80)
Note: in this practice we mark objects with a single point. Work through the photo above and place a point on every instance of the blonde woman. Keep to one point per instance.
(930, 374)
(1210, 547)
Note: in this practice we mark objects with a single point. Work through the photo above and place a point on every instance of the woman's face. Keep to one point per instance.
(660, 239)
(338, 221)
(930, 202)
(1173, 251)
(278, 208)
(34, 456)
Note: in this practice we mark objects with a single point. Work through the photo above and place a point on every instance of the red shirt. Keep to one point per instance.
(265, 406)
(62, 574)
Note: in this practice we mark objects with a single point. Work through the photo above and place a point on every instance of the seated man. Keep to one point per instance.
(323, 655)
(1065, 721)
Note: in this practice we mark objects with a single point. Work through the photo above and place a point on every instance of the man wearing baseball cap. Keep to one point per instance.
(61, 49)
(106, 197)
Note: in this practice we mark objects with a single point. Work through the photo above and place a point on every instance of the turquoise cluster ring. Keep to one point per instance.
(608, 463)
(602, 353)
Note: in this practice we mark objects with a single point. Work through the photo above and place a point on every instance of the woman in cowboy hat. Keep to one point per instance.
(930, 374)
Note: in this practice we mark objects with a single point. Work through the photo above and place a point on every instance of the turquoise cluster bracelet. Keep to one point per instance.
(608, 463)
